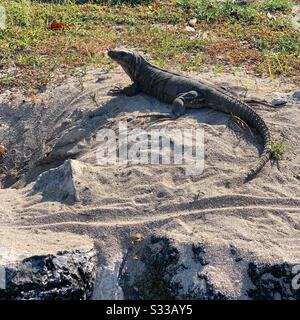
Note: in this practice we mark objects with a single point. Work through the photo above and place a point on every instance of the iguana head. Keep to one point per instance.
(128, 60)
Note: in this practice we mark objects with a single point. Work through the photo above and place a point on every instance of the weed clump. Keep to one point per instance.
(279, 147)
(273, 5)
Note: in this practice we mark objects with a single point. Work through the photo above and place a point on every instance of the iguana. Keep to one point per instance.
(183, 92)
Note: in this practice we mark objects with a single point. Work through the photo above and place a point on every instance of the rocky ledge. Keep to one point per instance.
(163, 268)
(61, 275)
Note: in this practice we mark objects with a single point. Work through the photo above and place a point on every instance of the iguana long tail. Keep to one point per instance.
(264, 158)
(247, 114)
(262, 128)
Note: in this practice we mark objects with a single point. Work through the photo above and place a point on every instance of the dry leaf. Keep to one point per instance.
(58, 26)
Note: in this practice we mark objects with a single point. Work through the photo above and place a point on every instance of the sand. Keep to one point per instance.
(109, 204)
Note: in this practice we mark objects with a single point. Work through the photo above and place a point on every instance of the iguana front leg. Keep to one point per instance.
(129, 91)
(191, 99)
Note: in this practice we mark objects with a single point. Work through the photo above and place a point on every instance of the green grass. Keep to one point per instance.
(273, 5)
(238, 36)
(279, 147)
(288, 43)
(210, 10)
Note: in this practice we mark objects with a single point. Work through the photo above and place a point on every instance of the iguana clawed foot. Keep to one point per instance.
(117, 90)
(129, 91)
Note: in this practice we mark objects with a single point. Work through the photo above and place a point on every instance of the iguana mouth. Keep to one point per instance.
(112, 54)
(118, 55)
(128, 60)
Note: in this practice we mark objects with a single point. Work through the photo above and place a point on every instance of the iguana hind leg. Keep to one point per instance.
(191, 99)
(178, 107)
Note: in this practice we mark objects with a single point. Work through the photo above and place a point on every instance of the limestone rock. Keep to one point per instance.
(46, 265)
(58, 184)
(193, 22)
(69, 183)
(189, 29)
(65, 275)
(164, 268)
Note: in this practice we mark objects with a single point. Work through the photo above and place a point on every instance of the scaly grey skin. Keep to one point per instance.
(183, 92)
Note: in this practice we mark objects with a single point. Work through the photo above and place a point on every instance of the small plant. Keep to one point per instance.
(131, 21)
(126, 2)
(289, 44)
(274, 5)
(262, 44)
(198, 195)
(210, 10)
(279, 147)
(218, 68)
(19, 13)
(93, 97)
(159, 62)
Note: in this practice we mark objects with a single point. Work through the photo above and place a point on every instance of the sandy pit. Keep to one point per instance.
(56, 196)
